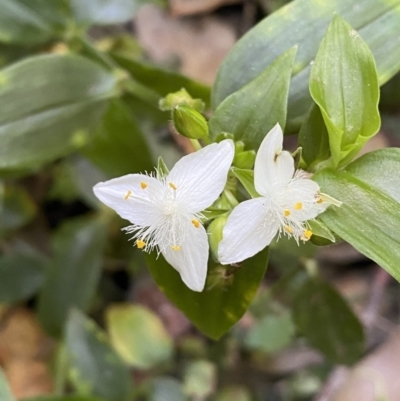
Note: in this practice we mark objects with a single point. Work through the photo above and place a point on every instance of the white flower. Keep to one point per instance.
(288, 199)
(165, 212)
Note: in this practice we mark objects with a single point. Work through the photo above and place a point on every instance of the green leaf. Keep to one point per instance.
(48, 104)
(138, 335)
(376, 21)
(17, 209)
(246, 178)
(321, 231)
(20, 277)
(118, 146)
(200, 378)
(253, 110)
(5, 391)
(328, 323)
(161, 80)
(234, 393)
(271, 333)
(73, 273)
(63, 398)
(344, 84)
(232, 288)
(95, 367)
(370, 215)
(314, 139)
(166, 389)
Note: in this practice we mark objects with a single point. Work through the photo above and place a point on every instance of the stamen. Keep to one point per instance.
(128, 194)
(143, 185)
(319, 200)
(196, 223)
(307, 234)
(140, 244)
(173, 186)
(176, 247)
(286, 212)
(298, 206)
(288, 229)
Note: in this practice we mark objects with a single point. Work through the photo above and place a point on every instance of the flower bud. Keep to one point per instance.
(189, 122)
(214, 231)
(245, 159)
(178, 98)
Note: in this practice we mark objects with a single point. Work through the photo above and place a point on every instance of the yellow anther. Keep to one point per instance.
(288, 229)
(286, 212)
(319, 200)
(173, 186)
(298, 206)
(176, 247)
(307, 234)
(140, 244)
(128, 194)
(196, 223)
(143, 185)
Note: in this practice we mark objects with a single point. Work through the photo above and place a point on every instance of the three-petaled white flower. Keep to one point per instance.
(288, 199)
(165, 212)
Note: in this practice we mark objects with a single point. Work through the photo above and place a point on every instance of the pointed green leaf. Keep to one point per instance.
(118, 146)
(246, 178)
(73, 273)
(95, 368)
(370, 215)
(303, 23)
(138, 335)
(328, 323)
(253, 110)
(344, 84)
(48, 104)
(232, 288)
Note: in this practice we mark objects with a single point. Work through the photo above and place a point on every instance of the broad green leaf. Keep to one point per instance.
(253, 110)
(271, 333)
(5, 391)
(344, 84)
(48, 104)
(95, 368)
(328, 323)
(303, 23)
(118, 146)
(314, 139)
(246, 178)
(166, 389)
(138, 335)
(20, 277)
(160, 80)
(17, 209)
(232, 288)
(73, 273)
(63, 398)
(370, 215)
(200, 378)
(21, 24)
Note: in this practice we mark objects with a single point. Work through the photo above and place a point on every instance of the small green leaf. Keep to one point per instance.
(48, 105)
(95, 367)
(271, 333)
(73, 273)
(253, 110)
(320, 230)
(232, 288)
(17, 210)
(246, 178)
(314, 139)
(328, 323)
(138, 335)
(5, 391)
(344, 84)
(118, 146)
(369, 217)
(200, 379)
(166, 389)
(162, 169)
(20, 277)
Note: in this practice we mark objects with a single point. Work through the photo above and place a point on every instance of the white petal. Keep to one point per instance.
(273, 167)
(127, 197)
(191, 260)
(249, 229)
(201, 176)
